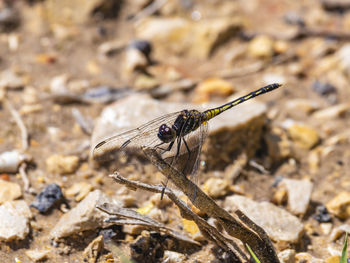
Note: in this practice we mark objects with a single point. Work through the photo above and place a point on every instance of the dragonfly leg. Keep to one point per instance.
(164, 187)
(189, 155)
(167, 149)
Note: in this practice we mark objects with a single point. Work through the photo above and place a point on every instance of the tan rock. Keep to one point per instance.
(261, 47)
(62, 164)
(9, 191)
(304, 136)
(340, 205)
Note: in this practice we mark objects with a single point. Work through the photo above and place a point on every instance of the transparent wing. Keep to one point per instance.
(145, 135)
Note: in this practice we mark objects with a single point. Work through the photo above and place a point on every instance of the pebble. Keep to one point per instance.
(61, 164)
(304, 136)
(299, 195)
(340, 205)
(304, 105)
(338, 231)
(85, 216)
(173, 257)
(212, 87)
(261, 47)
(134, 59)
(287, 256)
(343, 55)
(93, 250)
(50, 196)
(80, 190)
(216, 187)
(332, 112)
(279, 147)
(9, 191)
(326, 228)
(333, 259)
(14, 218)
(323, 88)
(322, 215)
(11, 80)
(281, 226)
(144, 46)
(306, 258)
(10, 161)
(235, 131)
(111, 47)
(37, 255)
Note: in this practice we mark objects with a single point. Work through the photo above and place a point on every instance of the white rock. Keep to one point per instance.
(332, 112)
(299, 195)
(37, 255)
(14, 218)
(280, 225)
(85, 216)
(9, 161)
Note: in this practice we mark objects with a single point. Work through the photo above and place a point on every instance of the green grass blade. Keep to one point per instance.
(343, 258)
(252, 254)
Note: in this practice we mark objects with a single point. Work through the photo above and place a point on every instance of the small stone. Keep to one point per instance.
(10, 161)
(322, 215)
(9, 191)
(212, 87)
(62, 164)
(323, 88)
(279, 147)
(303, 135)
(281, 47)
(280, 225)
(37, 255)
(133, 229)
(79, 190)
(145, 82)
(93, 250)
(14, 218)
(280, 196)
(287, 256)
(48, 197)
(144, 46)
(134, 59)
(326, 228)
(332, 112)
(343, 55)
(338, 231)
(299, 195)
(11, 80)
(216, 187)
(306, 258)
(333, 259)
(85, 216)
(303, 105)
(340, 205)
(111, 47)
(173, 257)
(261, 47)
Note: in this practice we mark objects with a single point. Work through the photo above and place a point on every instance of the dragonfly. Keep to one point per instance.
(178, 137)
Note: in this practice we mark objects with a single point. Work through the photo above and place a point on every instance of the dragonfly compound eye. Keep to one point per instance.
(166, 134)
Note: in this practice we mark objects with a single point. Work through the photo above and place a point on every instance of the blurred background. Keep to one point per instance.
(73, 72)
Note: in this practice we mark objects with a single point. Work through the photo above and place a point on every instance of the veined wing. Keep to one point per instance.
(145, 135)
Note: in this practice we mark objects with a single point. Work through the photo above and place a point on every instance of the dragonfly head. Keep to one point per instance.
(166, 133)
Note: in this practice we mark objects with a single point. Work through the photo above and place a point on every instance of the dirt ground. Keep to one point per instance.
(45, 44)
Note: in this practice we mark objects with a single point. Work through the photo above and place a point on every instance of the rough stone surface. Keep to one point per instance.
(299, 195)
(9, 191)
(186, 36)
(287, 256)
(37, 255)
(340, 205)
(280, 225)
(62, 164)
(14, 218)
(235, 131)
(85, 216)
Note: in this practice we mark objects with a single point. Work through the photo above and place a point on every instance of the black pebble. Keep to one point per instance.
(47, 198)
(322, 215)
